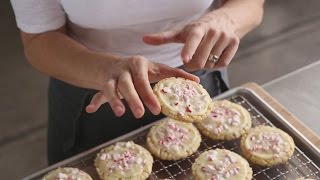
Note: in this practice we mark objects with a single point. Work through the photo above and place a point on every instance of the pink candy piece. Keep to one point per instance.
(214, 115)
(123, 160)
(214, 178)
(165, 90)
(183, 137)
(218, 169)
(172, 135)
(188, 109)
(231, 115)
(211, 157)
(172, 126)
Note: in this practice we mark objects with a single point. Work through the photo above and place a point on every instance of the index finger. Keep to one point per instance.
(167, 71)
(193, 40)
(142, 84)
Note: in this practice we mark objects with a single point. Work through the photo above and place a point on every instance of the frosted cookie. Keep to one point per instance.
(124, 160)
(173, 140)
(267, 146)
(67, 173)
(226, 121)
(183, 99)
(221, 164)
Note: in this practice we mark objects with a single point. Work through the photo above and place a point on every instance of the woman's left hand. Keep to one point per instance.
(212, 35)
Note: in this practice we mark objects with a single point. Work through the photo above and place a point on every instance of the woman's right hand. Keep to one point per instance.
(130, 78)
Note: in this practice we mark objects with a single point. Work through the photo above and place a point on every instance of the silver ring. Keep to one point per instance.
(213, 58)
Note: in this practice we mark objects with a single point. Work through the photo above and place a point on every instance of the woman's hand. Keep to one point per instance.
(214, 33)
(131, 78)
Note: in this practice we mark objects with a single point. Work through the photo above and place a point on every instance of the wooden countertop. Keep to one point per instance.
(306, 131)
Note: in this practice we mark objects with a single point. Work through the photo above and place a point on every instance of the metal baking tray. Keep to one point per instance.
(304, 163)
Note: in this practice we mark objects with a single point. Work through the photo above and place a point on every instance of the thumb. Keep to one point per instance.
(163, 37)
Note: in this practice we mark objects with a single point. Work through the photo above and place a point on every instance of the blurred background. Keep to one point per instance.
(287, 39)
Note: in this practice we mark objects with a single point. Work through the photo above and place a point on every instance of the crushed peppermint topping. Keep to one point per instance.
(220, 168)
(124, 160)
(211, 157)
(165, 89)
(225, 114)
(172, 136)
(266, 142)
(188, 109)
(222, 118)
(184, 97)
(69, 174)
(122, 157)
(62, 176)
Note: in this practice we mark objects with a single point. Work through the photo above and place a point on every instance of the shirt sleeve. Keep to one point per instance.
(38, 16)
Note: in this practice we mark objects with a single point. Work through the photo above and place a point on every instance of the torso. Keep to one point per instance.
(117, 26)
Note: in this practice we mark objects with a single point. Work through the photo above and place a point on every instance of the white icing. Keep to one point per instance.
(103, 156)
(129, 144)
(75, 171)
(139, 160)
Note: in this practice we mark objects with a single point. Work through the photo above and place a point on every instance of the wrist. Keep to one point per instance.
(237, 13)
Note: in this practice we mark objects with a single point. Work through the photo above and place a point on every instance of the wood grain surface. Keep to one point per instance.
(307, 132)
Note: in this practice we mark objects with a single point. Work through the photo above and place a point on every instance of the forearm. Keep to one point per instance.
(246, 14)
(59, 56)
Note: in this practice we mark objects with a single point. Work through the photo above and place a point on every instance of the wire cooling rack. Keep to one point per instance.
(298, 166)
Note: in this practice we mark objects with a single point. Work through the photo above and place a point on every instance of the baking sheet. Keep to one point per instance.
(304, 163)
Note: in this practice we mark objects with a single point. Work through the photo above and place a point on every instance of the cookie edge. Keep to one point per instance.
(266, 162)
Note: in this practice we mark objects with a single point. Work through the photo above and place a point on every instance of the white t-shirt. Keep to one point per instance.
(114, 26)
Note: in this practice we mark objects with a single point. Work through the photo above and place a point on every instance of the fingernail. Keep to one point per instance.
(88, 109)
(155, 110)
(118, 110)
(139, 113)
(187, 59)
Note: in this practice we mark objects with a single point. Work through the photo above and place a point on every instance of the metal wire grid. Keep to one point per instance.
(298, 166)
